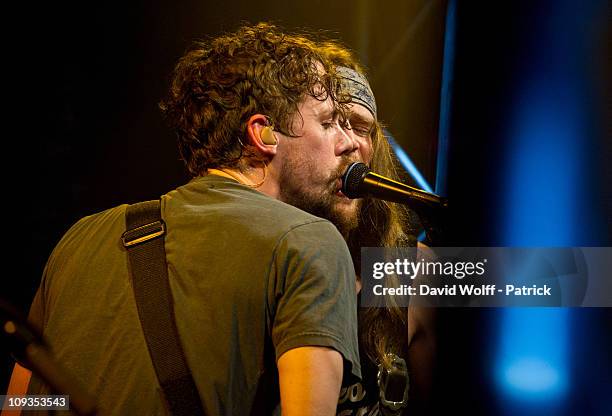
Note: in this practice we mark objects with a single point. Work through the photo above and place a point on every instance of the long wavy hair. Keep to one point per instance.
(382, 330)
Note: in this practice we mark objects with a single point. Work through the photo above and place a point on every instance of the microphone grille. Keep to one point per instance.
(352, 179)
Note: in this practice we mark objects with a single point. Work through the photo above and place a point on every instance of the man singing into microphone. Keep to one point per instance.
(264, 293)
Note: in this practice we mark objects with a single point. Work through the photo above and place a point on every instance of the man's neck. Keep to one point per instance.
(266, 185)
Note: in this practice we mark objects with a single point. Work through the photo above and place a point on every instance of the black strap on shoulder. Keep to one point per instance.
(144, 241)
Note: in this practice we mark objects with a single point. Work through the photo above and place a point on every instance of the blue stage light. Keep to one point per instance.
(533, 354)
(541, 202)
(411, 168)
(544, 202)
(407, 163)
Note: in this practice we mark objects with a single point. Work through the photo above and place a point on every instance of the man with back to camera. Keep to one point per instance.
(263, 292)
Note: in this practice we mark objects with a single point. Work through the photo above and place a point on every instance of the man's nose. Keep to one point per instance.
(346, 142)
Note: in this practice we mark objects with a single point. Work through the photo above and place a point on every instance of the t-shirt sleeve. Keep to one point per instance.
(313, 289)
(36, 316)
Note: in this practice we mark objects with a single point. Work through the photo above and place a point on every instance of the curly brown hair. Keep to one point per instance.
(218, 85)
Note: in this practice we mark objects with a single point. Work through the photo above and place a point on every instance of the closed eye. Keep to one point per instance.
(362, 126)
(362, 130)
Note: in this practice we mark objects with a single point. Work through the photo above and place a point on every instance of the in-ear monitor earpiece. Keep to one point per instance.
(267, 136)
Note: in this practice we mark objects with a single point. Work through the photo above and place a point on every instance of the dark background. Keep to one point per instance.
(84, 133)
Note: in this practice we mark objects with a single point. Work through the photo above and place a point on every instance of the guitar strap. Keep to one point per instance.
(144, 242)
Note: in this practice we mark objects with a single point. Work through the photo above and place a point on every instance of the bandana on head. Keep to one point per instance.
(358, 88)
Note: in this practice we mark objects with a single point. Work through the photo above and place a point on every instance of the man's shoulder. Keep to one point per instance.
(91, 224)
(91, 233)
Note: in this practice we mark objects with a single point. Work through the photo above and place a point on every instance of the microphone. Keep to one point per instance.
(359, 181)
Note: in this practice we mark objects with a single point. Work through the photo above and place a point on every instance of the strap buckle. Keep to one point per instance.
(143, 233)
(393, 384)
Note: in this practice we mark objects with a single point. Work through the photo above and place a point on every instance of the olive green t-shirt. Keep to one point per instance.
(251, 278)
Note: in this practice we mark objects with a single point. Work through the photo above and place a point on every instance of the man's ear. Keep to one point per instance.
(261, 135)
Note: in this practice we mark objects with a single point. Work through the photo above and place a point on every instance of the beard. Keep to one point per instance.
(323, 202)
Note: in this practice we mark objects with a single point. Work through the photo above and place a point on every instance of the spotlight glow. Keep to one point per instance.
(532, 375)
